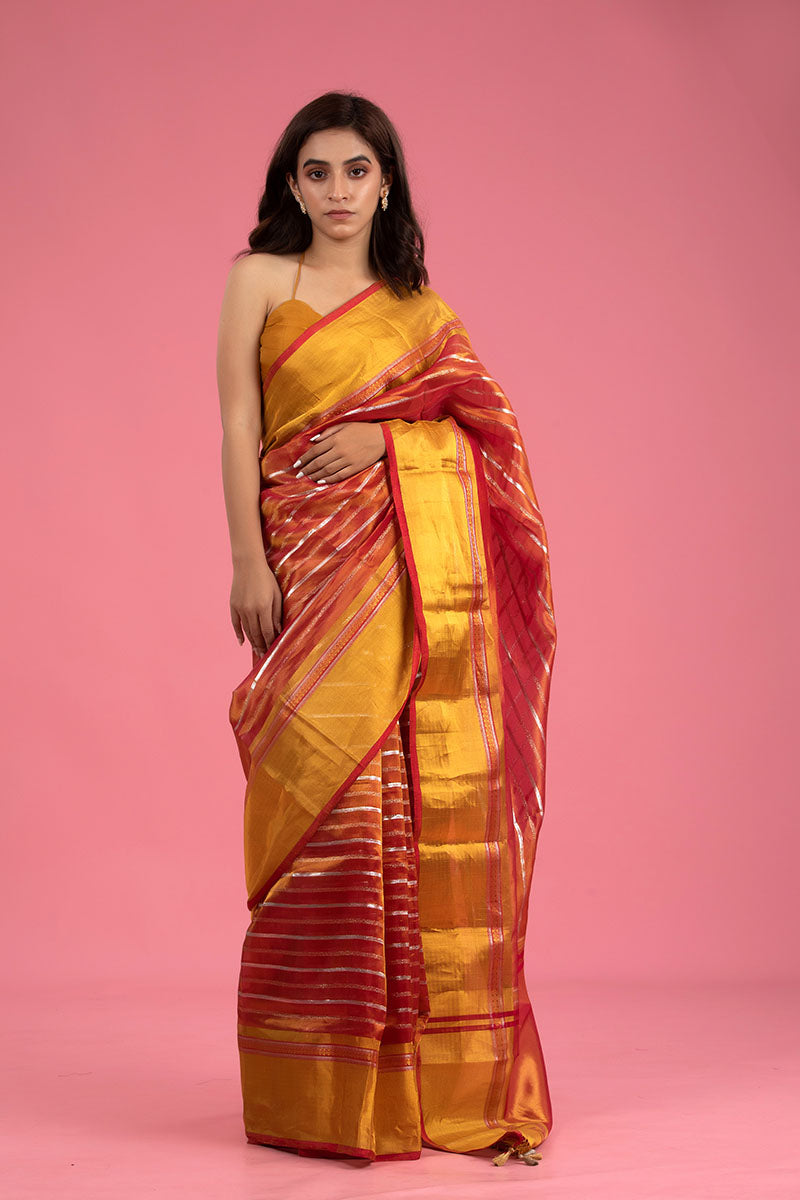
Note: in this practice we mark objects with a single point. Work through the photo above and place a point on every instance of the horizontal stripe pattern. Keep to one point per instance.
(335, 946)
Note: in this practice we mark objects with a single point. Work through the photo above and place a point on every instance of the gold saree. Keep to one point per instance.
(393, 742)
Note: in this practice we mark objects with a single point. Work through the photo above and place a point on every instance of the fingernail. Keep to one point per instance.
(297, 464)
(298, 474)
(314, 437)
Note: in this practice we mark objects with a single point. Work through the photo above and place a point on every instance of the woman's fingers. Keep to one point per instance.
(353, 446)
(252, 628)
(237, 626)
(325, 466)
(267, 629)
(249, 630)
(310, 462)
(277, 615)
(256, 603)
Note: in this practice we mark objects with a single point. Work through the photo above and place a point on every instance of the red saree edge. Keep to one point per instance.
(312, 329)
(328, 1149)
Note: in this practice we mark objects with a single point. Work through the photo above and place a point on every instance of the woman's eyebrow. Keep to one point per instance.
(324, 163)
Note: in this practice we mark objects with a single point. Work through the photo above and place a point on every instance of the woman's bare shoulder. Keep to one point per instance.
(262, 278)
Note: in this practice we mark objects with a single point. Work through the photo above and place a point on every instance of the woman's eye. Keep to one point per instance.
(318, 171)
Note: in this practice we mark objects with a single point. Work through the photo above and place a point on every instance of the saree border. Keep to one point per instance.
(421, 632)
(329, 1149)
(486, 525)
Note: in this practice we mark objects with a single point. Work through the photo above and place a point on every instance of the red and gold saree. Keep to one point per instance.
(393, 741)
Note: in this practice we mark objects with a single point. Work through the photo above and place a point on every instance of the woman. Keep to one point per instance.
(391, 574)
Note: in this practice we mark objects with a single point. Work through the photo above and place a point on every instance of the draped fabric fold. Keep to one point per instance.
(393, 743)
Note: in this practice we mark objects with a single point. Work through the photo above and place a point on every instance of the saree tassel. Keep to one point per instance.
(523, 1150)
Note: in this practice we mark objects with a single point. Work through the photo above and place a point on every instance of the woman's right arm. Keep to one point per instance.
(256, 600)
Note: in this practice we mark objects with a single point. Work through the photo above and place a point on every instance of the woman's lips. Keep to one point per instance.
(339, 215)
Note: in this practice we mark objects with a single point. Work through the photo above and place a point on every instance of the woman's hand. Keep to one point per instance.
(342, 450)
(256, 605)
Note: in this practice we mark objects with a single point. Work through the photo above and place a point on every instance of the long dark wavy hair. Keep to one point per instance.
(396, 246)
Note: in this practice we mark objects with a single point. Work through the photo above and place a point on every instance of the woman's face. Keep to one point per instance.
(336, 169)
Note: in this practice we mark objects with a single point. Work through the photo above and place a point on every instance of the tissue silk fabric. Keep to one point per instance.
(393, 743)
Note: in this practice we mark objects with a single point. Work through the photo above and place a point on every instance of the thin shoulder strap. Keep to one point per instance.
(297, 276)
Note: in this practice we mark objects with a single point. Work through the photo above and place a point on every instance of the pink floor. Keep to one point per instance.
(658, 1091)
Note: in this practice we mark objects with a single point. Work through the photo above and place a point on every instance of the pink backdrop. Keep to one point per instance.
(609, 194)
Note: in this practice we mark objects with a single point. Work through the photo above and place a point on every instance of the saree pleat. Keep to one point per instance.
(393, 742)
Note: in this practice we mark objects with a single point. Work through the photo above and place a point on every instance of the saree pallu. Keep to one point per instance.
(393, 743)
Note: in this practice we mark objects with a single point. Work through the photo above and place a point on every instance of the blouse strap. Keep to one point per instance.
(297, 276)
